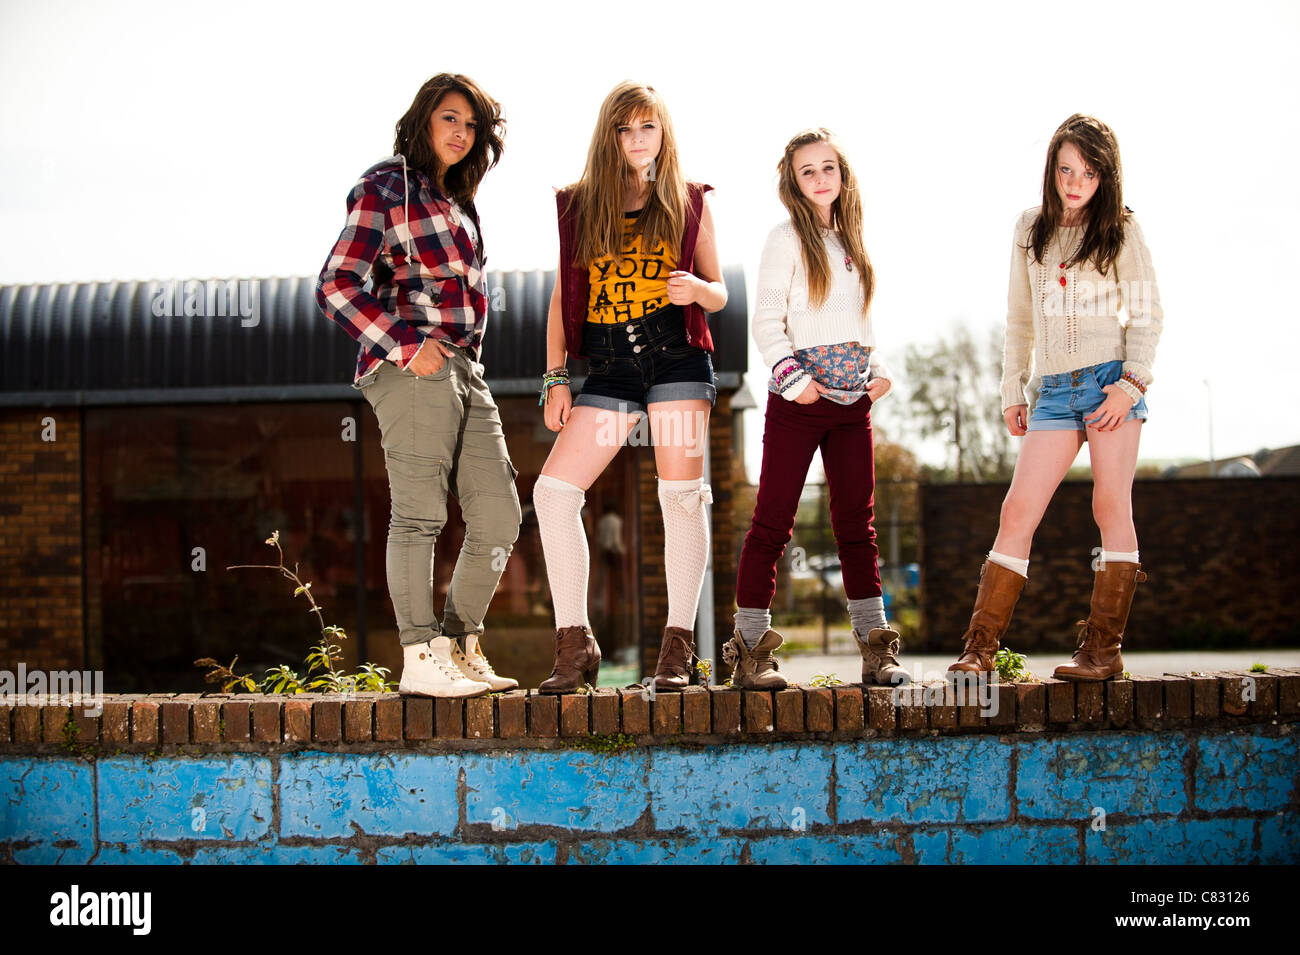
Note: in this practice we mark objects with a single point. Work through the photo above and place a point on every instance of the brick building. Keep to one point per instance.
(154, 434)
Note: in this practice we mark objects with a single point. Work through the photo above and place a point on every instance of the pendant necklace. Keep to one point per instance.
(848, 259)
(1065, 256)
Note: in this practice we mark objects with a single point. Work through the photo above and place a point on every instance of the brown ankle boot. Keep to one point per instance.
(999, 590)
(1102, 633)
(754, 669)
(675, 653)
(577, 661)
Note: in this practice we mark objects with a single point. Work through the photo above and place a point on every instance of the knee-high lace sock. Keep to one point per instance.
(686, 546)
(564, 544)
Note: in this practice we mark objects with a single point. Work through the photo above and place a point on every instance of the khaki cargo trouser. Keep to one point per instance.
(442, 434)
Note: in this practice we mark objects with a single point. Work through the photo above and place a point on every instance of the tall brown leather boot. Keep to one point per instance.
(674, 669)
(1102, 633)
(999, 590)
(577, 661)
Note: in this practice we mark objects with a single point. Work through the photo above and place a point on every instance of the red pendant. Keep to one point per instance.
(1062, 281)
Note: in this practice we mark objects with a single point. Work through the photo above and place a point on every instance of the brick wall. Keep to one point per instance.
(1185, 769)
(40, 540)
(722, 480)
(1219, 554)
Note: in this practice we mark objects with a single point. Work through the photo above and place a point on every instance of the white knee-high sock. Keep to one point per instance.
(564, 544)
(686, 546)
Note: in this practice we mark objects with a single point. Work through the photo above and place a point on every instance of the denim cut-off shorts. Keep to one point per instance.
(1065, 400)
(643, 361)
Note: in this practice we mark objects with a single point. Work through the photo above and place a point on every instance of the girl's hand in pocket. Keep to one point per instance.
(810, 394)
(1017, 419)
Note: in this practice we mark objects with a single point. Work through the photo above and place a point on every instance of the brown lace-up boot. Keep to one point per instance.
(1102, 633)
(999, 590)
(577, 661)
(754, 669)
(880, 657)
(675, 653)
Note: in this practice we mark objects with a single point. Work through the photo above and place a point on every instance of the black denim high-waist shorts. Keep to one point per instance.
(643, 361)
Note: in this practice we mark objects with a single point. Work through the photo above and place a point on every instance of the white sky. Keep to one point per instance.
(173, 140)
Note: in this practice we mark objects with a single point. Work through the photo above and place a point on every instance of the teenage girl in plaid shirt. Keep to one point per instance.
(413, 229)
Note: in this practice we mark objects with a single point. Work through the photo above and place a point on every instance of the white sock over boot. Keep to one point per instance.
(686, 546)
(564, 544)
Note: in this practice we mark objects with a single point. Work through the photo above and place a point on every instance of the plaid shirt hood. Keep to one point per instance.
(425, 272)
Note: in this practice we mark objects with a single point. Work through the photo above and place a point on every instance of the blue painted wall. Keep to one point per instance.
(1226, 796)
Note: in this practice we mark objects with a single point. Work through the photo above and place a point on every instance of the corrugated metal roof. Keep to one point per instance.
(254, 340)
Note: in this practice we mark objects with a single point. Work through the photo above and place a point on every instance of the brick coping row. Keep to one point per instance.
(619, 717)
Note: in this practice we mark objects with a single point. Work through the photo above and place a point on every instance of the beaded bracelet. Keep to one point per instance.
(1135, 381)
(556, 376)
(792, 367)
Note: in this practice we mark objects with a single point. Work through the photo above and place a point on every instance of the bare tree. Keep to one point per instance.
(953, 389)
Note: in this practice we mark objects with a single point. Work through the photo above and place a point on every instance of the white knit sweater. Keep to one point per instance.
(784, 322)
(1053, 329)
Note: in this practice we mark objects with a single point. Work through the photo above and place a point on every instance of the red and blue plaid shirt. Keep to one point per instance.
(427, 270)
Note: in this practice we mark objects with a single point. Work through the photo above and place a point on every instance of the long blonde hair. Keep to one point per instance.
(598, 196)
(846, 219)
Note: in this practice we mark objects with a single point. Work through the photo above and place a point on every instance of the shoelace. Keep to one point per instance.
(979, 639)
(1088, 636)
(887, 654)
(479, 663)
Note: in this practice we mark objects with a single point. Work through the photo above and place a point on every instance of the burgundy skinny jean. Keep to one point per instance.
(791, 435)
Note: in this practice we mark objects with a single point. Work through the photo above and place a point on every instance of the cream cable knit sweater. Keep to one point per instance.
(1053, 329)
(784, 322)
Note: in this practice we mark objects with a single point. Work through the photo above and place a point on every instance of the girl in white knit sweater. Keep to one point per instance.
(1076, 261)
(813, 328)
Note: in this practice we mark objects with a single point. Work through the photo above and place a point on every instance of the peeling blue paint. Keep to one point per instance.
(1247, 771)
(997, 845)
(945, 800)
(1070, 777)
(1172, 842)
(208, 798)
(950, 779)
(751, 787)
(593, 792)
(337, 795)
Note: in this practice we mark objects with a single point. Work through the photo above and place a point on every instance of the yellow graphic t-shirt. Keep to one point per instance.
(632, 284)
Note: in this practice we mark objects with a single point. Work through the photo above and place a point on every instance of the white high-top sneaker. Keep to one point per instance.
(427, 670)
(476, 667)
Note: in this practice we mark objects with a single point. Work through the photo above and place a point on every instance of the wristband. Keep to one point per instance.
(1135, 381)
(556, 376)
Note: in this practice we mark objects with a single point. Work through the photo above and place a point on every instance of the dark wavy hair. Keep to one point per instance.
(412, 135)
(1105, 213)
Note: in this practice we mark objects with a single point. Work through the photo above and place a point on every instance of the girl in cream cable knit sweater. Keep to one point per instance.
(1076, 262)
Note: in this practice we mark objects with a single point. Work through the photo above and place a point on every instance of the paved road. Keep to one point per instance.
(848, 667)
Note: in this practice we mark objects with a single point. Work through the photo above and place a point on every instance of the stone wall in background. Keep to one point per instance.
(1221, 558)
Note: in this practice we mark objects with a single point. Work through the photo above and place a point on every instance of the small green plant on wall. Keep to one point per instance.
(322, 673)
(1011, 667)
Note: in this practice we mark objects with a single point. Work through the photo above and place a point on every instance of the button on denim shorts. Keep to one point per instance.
(646, 360)
(1065, 400)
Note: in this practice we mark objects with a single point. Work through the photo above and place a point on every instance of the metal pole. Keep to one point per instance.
(705, 643)
(1209, 400)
